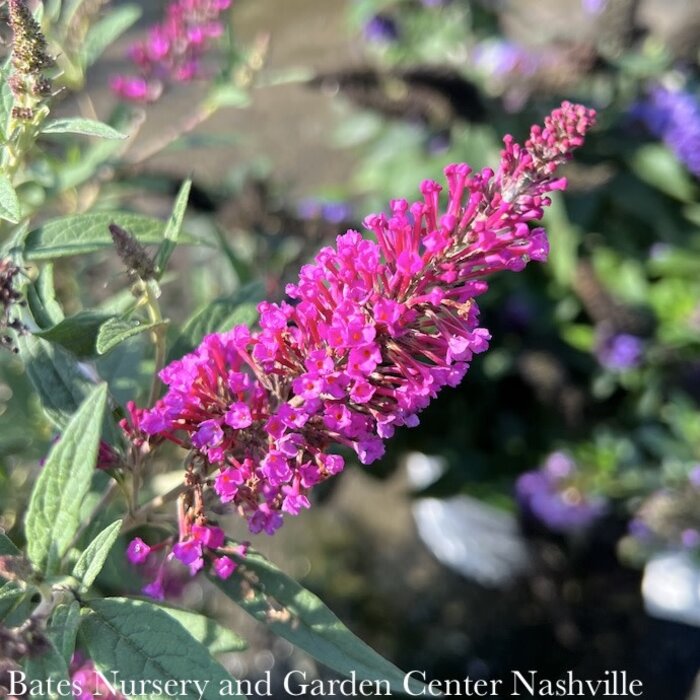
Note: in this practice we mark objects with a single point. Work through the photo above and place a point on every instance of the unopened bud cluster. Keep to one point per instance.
(30, 59)
(10, 300)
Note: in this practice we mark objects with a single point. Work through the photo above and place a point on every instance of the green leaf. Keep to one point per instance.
(53, 516)
(77, 334)
(56, 376)
(83, 127)
(10, 597)
(41, 299)
(63, 629)
(227, 96)
(49, 670)
(657, 166)
(105, 32)
(145, 643)
(86, 233)
(7, 546)
(292, 612)
(10, 209)
(172, 230)
(69, 11)
(220, 315)
(94, 557)
(579, 336)
(211, 634)
(117, 330)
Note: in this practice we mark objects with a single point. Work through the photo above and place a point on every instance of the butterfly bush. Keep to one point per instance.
(369, 335)
(173, 50)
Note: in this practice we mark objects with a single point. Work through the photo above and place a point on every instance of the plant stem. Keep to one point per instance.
(140, 516)
(158, 337)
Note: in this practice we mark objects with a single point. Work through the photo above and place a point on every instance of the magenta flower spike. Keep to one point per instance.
(372, 331)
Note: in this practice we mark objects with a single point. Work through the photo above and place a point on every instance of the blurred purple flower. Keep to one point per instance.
(674, 117)
(694, 476)
(620, 352)
(438, 143)
(638, 529)
(381, 29)
(335, 212)
(593, 7)
(499, 57)
(551, 495)
(690, 538)
(659, 250)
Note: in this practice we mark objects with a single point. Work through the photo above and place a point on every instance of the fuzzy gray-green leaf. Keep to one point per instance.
(144, 643)
(93, 558)
(56, 376)
(53, 516)
(63, 629)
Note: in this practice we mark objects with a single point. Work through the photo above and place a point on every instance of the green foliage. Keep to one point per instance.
(144, 642)
(49, 669)
(173, 228)
(215, 637)
(63, 630)
(78, 334)
(86, 233)
(53, 516)
(10, 598)
(116, 331)
(299, 616)
(59, 381)
(108, 30)
(219, 315)
(83, 127)
(93, 558)
(10, 209)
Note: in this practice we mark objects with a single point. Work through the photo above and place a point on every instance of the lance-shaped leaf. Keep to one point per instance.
(56, 376)
(86, 233)
(296, 614)
(172, 230)
(83, 127)
(91, 561)
(145, 644)
(117, 330)
(41, 299)
(53, 517)
(105, 32)
(63, 629)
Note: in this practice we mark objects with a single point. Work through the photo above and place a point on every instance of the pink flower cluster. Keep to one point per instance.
(372, 332)
(173, 49)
